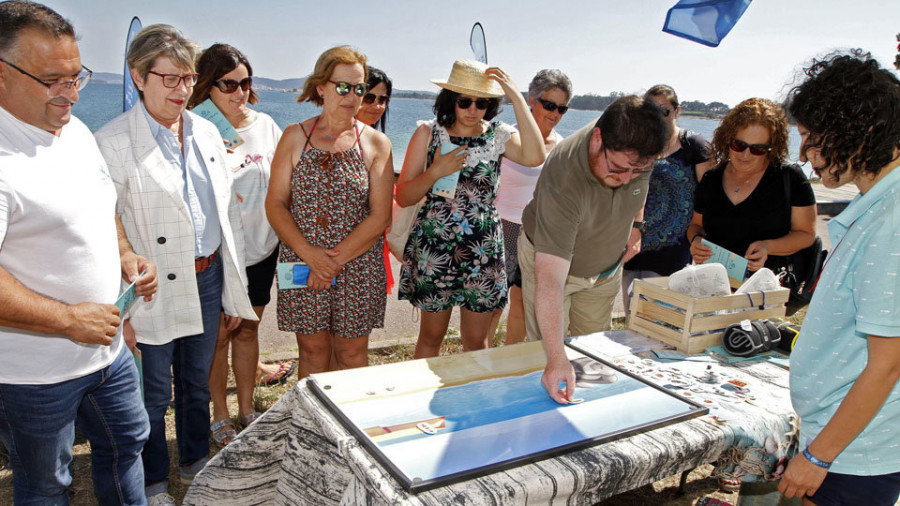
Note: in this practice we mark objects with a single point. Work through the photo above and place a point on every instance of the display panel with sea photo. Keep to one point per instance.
(434, 421)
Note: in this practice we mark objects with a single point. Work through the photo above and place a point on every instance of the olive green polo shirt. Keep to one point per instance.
(576, 217)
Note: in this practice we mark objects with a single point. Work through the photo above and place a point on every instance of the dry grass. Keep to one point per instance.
(700, 482)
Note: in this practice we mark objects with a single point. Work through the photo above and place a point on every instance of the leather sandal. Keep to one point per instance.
(223, 432)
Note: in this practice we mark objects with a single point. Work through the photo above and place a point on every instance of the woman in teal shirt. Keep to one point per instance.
(846, 364)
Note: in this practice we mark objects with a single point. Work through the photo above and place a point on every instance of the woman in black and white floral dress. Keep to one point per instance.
(454, 255)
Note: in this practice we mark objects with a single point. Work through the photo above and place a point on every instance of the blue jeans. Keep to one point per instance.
(37, 426)
(188, 359)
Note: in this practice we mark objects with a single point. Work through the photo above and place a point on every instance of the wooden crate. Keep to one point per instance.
(690, 324)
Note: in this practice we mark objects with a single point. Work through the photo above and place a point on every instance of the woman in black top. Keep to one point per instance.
(753, 203)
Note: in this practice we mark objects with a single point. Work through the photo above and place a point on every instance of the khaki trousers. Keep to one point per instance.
(587, 302)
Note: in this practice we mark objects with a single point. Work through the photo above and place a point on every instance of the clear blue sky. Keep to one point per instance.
(602, 45)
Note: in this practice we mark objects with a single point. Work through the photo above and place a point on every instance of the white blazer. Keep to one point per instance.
(158, 224)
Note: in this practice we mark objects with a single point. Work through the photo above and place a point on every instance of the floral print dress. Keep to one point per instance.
(329, 198)
(454, 254)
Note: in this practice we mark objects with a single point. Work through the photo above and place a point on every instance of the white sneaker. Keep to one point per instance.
(163, 499)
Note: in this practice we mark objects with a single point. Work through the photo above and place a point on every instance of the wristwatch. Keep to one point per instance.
(639, 225)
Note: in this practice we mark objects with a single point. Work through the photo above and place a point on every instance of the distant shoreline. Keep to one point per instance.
(262, 84)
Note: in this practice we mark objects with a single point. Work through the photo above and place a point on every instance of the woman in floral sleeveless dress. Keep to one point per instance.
(454, 255)
(329, 201)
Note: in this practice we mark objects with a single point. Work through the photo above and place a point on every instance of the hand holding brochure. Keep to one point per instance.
(735, 264)
(126, 300)
(446, 186)
(294, 275)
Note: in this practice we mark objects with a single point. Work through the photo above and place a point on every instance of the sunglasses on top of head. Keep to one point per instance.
(343, 88)
(465, 103)
(230, 85)
(370, 99)
(739, 146)
(552, 106)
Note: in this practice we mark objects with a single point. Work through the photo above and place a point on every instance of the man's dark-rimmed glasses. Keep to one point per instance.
(57, 88)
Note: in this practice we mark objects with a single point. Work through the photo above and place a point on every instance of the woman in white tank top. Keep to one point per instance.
(548, 94)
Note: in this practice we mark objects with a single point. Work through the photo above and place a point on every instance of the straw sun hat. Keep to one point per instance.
(467, 77)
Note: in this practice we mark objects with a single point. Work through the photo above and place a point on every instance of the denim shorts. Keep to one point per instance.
(851, 490)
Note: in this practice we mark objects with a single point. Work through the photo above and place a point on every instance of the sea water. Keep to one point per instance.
(100, 103)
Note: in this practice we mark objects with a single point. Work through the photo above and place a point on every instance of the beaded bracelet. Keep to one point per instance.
(815, 460)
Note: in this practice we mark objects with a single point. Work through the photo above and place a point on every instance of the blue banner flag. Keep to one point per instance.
(129, 93)
(704, 21)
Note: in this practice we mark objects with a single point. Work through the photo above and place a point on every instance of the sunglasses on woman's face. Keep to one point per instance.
(342, 88)
(740, 146)
(370, 99)
(465, 103)
(230, 85)
(552, 106)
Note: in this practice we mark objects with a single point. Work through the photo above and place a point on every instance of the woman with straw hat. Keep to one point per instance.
(454, 254)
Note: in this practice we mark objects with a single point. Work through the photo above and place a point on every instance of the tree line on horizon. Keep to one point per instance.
(594, 102)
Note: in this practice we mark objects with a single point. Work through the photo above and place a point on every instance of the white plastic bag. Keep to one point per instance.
(704, 280)
(761, 281)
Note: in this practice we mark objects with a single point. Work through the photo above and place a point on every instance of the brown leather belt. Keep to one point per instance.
(203, 263)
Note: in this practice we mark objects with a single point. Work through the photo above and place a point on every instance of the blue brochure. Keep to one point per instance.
(446, 186)
(735, 264)
(294, 275)
(127, 298)
(208, 110)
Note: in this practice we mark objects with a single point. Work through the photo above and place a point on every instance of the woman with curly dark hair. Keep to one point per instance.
(845, 365)
(753, 203)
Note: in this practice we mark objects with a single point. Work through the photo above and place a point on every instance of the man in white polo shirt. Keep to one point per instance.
(62, 357)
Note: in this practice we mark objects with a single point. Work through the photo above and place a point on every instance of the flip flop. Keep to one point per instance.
(285, 369)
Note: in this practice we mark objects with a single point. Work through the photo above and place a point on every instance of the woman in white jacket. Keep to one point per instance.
(177, 207)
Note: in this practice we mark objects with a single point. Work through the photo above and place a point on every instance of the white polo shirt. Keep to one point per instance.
(58, 238)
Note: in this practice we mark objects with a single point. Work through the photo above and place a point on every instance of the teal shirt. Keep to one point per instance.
(856, 297)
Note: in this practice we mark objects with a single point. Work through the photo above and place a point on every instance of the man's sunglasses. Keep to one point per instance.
(370, 99)
(755, 149)
(230, 85)
(551, 106)
(465, 103)
(342, 88)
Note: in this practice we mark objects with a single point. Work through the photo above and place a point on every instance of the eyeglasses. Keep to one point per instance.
(57, 88)
(551, 106)
(666, 111)
(370, 99)
(755, 149)
(465, 103)
(615, 169)
(230, 85)
(342, 88)
(172, 80)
